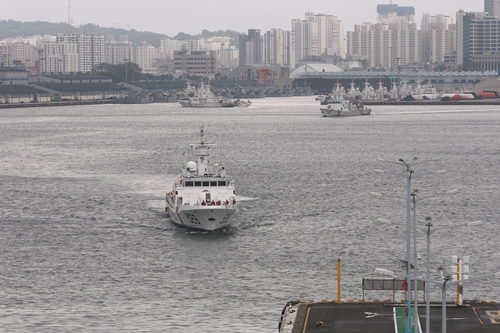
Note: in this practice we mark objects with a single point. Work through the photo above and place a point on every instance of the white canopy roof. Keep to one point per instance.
(312, 68)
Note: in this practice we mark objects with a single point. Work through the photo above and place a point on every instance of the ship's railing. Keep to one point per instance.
(223, 204)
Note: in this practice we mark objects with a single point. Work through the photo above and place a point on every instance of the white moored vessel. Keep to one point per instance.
(341, 107)
(203, 97)
(203, 197)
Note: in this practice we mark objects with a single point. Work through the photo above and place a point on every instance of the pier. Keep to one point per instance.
(59, 103)
(495, 101)
(372, 317)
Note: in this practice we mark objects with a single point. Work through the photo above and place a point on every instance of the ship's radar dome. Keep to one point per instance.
(191, 166)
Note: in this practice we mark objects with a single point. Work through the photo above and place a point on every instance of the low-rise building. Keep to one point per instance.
(70, 78)
(83, 91)
(21, 93)
(10, 75)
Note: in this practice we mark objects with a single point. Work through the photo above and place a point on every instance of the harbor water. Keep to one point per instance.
(86, 245)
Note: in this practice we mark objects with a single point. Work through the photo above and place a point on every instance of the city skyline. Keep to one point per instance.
(169, 18)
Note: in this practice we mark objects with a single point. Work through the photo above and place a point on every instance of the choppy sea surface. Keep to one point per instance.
(85, 244)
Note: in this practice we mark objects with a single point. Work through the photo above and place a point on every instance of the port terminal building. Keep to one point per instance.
(325, 81)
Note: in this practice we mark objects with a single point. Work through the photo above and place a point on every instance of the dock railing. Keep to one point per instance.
(395, 284)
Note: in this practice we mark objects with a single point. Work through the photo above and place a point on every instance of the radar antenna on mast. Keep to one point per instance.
(69, 12)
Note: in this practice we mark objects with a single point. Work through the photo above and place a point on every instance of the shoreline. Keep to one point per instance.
(45, 104)
(495, 101)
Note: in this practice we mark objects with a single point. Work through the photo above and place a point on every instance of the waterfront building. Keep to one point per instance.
(13, 76)
(441, 81)
(71, 78)
(478, 40)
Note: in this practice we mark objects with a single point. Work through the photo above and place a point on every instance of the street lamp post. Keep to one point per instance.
(411, 202)
(444, 285)
(428, 231)
(126, 70)
(409, 173)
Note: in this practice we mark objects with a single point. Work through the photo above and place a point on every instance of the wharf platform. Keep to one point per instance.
(385, 317)
(495, 101)
(58, 103)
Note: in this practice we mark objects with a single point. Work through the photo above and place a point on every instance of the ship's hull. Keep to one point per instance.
(338, 113)
(206, 104)
(206, 218)
(344, 111)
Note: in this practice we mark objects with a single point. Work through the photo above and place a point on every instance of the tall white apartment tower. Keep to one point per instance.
(384, 47)
(303, 41)
(91, 49)
(143, 55)
(276, 47)
(330, 34)
(60, 57)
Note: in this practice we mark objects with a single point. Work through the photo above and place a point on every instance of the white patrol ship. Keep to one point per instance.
(203, 197)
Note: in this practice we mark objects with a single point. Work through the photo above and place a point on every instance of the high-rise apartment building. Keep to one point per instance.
(143, 55)
(435, 22)
(304, 42)
(315, 36)
(60, 57)
(384, 47)
(118, 53)
(91, 49)
(276, 46)
(250, 48)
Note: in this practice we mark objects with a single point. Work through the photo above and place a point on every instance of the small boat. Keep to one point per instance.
(341, 107)
(203, 198)
(242, 104)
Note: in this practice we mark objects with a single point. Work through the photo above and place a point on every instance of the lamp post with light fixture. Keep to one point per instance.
(411, 204)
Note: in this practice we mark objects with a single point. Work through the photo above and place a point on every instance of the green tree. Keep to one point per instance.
(440, 68)
(129, 71)
(469, 66)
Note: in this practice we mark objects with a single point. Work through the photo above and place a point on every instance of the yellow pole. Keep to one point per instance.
(457, 302)
(338, 281)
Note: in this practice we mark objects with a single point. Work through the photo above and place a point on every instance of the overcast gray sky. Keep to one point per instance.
(192, 16)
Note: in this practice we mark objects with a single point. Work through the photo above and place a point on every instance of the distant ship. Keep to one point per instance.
(203, 97)
(342, 107)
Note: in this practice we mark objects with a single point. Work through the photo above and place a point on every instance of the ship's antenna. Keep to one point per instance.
(202, 133)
